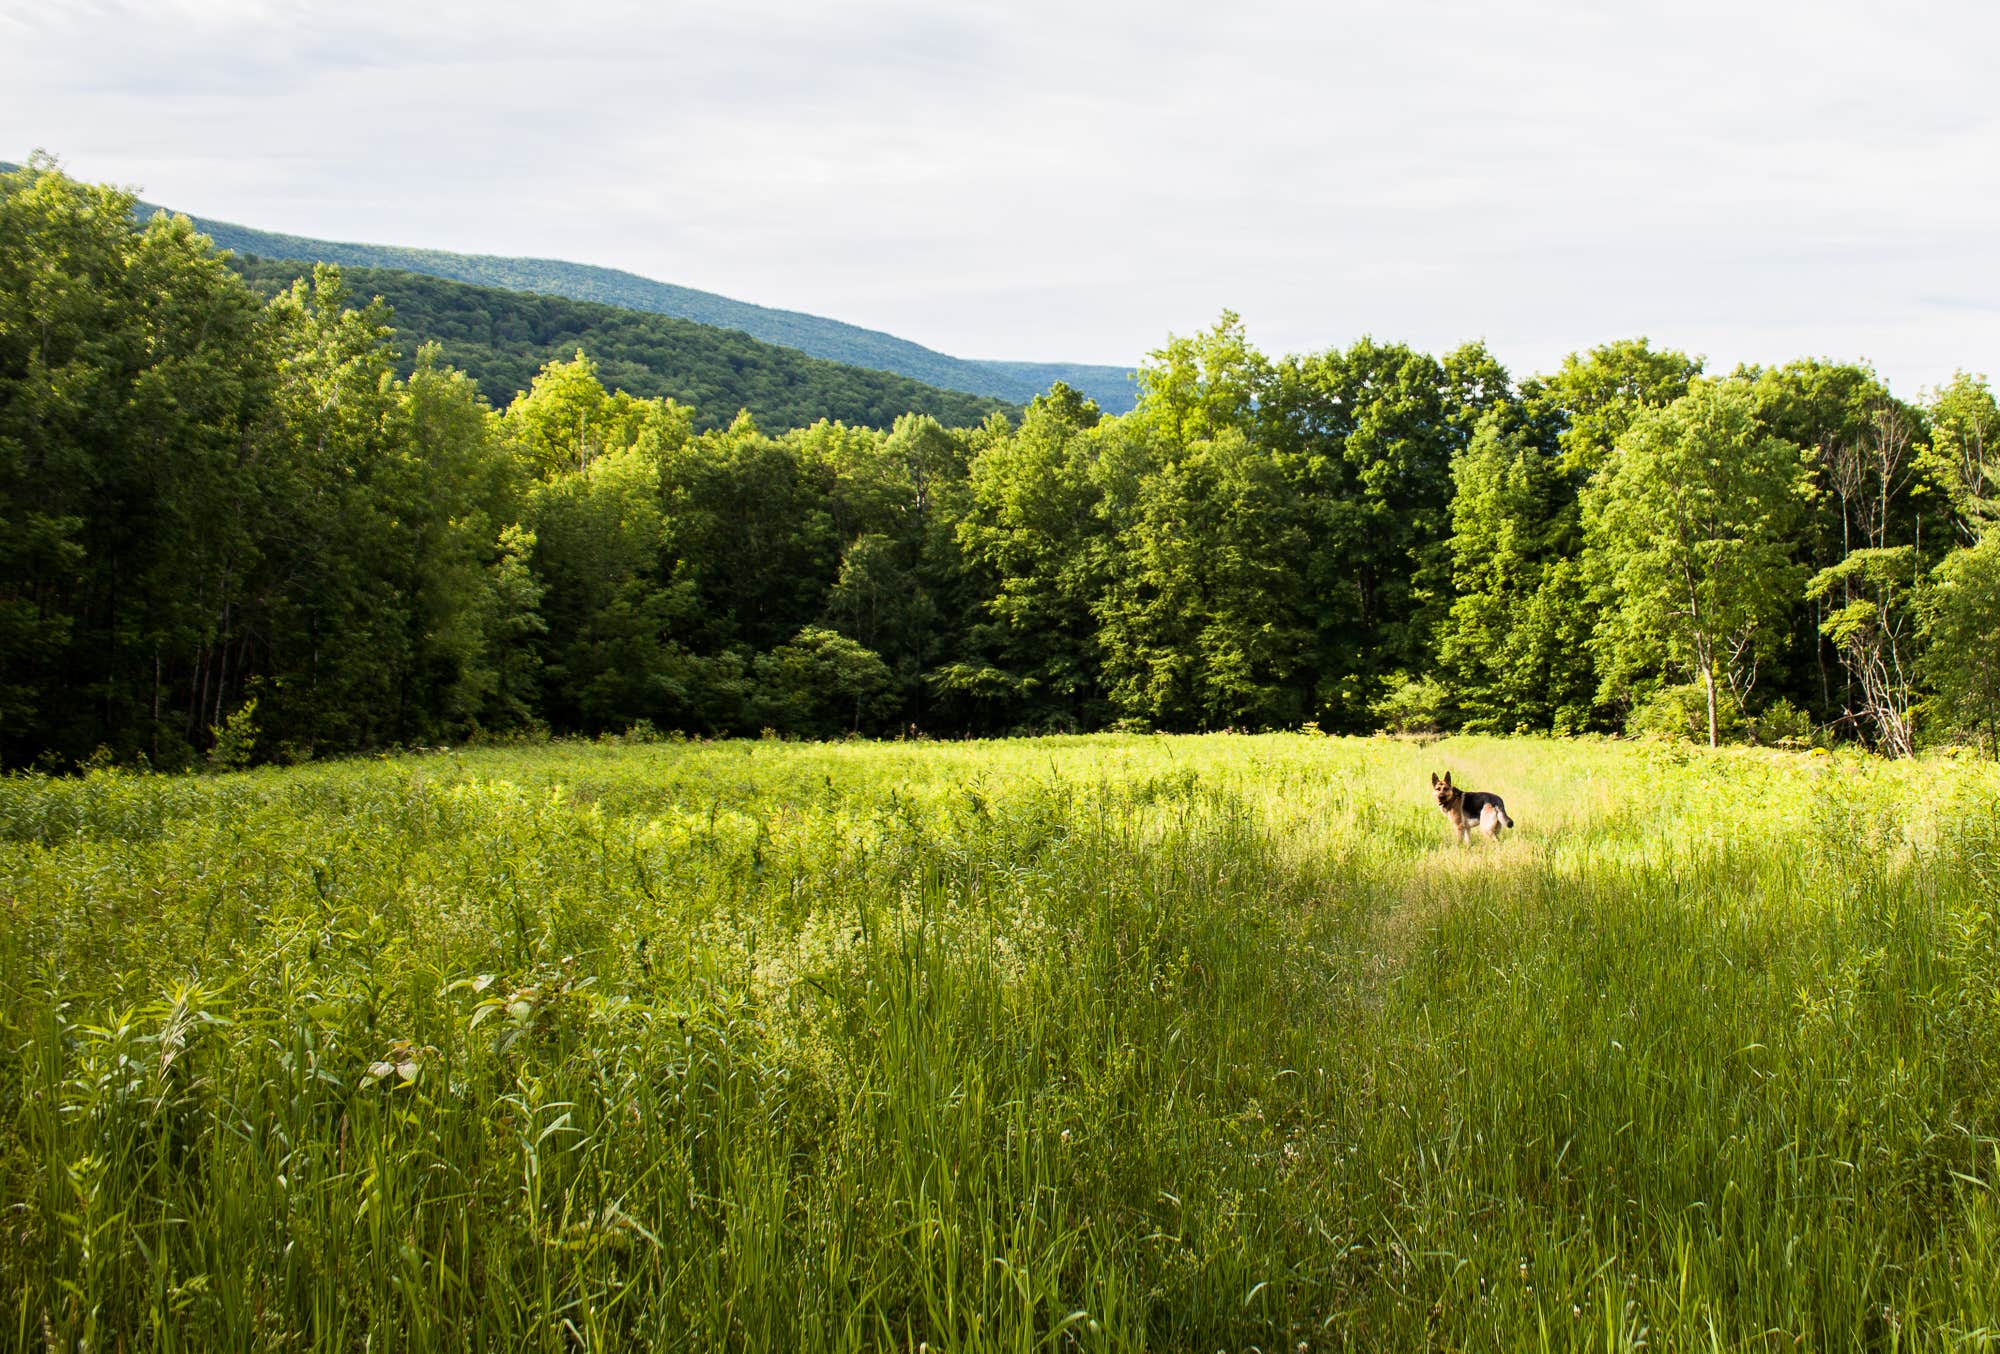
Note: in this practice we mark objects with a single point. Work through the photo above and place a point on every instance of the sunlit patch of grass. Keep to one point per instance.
(1107, 1042)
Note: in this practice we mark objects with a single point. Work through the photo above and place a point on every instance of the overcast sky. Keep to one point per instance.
(1073, 181)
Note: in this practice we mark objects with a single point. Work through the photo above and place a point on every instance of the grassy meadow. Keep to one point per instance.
(1114, 1042)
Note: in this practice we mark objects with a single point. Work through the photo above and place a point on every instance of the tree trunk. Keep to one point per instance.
(1708, 681)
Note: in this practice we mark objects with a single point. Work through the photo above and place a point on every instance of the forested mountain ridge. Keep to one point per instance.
(502, 338)
(1016, 382)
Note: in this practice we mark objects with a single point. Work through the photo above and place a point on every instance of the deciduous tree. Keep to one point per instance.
(1688, 527)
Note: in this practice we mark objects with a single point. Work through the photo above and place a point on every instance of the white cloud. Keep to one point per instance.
(1072, 181)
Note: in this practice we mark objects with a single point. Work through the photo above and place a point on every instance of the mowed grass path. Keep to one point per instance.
(1095, 1043)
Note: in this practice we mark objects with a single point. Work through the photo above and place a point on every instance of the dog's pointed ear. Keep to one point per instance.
(1434, 779)
(1447, 780)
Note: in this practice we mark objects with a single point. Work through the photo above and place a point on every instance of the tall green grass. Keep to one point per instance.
(1096, 1043)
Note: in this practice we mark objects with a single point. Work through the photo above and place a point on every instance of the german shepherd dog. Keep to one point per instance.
(1467, 809)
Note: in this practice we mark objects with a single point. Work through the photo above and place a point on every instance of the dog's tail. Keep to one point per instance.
(1503, 816)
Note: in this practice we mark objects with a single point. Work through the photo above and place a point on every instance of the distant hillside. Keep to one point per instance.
(501, 339)
(1017, 382)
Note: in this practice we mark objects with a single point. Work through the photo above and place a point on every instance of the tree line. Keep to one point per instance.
(233, 528)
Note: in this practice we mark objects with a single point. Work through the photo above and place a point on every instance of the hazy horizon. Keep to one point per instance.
(1041, 184)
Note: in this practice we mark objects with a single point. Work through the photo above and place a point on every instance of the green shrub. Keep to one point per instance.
(1782, 724)
(1413, 705)
(236, 741)
(1681, 712)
